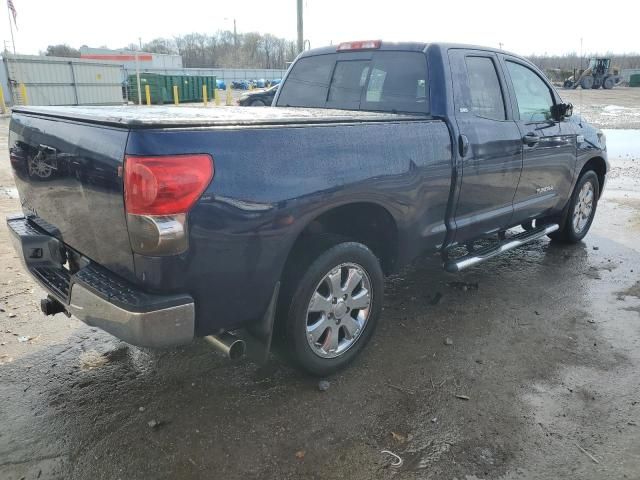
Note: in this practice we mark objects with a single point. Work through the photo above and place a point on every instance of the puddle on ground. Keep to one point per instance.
(623, 143)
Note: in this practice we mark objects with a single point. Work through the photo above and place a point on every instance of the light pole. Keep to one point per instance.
(138, 72)
(235, 32)
(300, 27)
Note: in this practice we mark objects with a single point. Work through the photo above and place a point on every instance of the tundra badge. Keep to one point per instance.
(548, 188)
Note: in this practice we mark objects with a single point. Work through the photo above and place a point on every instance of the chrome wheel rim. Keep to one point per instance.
(40, 168)
(583, 208)
(338, 310)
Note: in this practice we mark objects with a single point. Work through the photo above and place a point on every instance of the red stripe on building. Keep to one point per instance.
(142, 57)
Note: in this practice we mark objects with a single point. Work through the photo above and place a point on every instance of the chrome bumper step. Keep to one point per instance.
(482, 254)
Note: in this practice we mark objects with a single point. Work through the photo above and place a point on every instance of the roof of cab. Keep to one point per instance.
(408, 47)
(403, 46)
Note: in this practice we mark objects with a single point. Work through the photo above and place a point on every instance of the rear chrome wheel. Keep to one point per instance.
(338, 310)
(40, 168)
(330, 303)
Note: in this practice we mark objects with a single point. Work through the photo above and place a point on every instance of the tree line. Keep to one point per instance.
(573, 60)
(222, 49)
(255, 50)
(560, 67)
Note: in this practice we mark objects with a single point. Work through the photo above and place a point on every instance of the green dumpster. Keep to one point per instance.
(634, 80)
(161, 87)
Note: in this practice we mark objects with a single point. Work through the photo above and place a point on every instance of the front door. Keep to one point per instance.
(549, 155)
(489, 141)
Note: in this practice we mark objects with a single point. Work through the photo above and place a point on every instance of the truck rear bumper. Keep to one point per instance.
(100, 298)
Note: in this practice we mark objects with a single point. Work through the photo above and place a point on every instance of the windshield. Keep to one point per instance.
(386, 81)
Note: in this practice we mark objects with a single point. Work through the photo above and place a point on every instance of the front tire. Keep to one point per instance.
(587, 83)
(582, 209)
(332, 304)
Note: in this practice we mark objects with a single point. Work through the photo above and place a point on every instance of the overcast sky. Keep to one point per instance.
(522, 27)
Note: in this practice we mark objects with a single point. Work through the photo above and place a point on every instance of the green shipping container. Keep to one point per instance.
(634, 80)
(161, 87)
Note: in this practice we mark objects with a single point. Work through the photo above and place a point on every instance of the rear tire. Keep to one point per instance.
(322, 329)
(581, 210)
(608, 83)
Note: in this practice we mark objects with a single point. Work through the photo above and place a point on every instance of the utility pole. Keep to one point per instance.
(300, 28)
(235, 31)
(138, 72)
(235, 34)
(13, 42)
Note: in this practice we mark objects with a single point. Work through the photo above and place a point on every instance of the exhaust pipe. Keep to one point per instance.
(227, 343)
(51, 306)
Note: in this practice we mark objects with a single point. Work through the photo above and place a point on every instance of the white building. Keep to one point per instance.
(127, 58)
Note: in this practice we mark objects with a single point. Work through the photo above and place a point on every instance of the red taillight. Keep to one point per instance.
(165, 185)
(360, 45)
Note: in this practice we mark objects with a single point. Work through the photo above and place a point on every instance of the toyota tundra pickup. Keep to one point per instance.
(162, 224)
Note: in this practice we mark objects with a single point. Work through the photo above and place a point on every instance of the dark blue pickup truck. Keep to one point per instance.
(161, 224)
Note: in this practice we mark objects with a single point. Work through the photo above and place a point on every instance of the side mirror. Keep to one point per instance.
(560, 111)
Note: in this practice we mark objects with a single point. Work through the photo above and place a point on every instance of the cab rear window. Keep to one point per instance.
(388, 82)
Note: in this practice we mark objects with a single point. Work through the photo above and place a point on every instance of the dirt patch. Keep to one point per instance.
(616, 108)
(633, 291)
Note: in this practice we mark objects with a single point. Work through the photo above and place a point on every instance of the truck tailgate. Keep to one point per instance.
(68, 175)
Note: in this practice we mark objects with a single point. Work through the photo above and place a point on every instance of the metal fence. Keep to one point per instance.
(228, 75)
(41, 80)
(627, 72)
(61, 81)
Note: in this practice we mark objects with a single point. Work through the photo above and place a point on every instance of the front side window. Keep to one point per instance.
(532, 93)
(484, 88)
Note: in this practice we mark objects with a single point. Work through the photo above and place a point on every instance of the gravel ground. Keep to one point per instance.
(527, 366)
(616, 108)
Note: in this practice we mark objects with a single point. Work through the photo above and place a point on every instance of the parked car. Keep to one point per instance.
(258, 98)
(240, 85)
(219, 223)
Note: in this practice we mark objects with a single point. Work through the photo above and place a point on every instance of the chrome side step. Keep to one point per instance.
(482, 254)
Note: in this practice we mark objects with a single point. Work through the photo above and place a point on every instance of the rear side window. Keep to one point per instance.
(308, 83)
(398, 82)
(484, 88)
(388, 82)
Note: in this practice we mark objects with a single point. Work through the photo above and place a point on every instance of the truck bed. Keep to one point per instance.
(197, 116)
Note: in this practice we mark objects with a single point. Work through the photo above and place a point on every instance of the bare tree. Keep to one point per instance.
(161, 45)
(221, 49)
(62, 50)
(252, 50)
(572, 60)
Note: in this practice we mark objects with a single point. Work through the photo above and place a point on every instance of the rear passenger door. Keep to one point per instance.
(489, 144)
(549, 154)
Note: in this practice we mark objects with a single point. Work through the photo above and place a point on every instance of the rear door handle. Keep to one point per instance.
(530, 139)
(463, 145)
